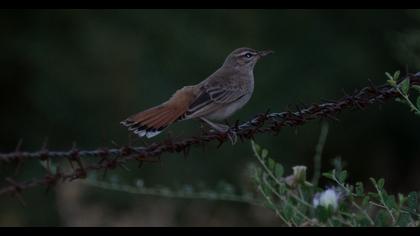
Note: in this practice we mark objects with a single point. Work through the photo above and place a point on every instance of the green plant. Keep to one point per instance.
(300, 203)
(403, 88)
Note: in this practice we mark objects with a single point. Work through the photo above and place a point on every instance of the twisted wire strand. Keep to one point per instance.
(261, 123)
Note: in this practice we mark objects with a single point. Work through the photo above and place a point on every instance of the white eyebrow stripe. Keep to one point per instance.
(243, 53)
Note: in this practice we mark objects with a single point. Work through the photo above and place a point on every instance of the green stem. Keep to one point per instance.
(273, 206)
(283, 198)
(259, 158)
(381, 198)
(318, 153)
(402, 210)
(405, 96)
(174, 194)
(364, 213)
(412, 106)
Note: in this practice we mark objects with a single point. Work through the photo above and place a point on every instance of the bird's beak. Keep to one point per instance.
(264, 53)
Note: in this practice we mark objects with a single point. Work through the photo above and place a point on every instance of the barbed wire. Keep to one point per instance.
(117, 157)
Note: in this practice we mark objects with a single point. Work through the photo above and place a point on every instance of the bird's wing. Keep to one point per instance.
(215, 94)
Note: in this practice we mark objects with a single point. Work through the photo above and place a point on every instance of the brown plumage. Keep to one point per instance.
(217, 97)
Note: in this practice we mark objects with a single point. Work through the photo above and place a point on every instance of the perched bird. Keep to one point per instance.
(216, 98)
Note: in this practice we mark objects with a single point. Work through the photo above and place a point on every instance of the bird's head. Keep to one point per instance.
(245, 58)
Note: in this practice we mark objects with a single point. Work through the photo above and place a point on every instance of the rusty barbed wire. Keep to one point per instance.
(261, 123)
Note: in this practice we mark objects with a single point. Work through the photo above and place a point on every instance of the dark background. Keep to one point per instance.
(73, 75)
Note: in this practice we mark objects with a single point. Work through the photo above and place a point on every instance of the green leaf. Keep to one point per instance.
(405, 86)
(396, 75)
(282, 189)
(267, 205)
(342, 176)
(382, 218)
(328, 175)
(264, 153)
(412, 201)
(373, 194)
(416, 87)
(391, 82)
(390, 201)
(335, 223)
(271, 163)
(389, 76)
(401, 199)
(364, 222)
(359, 189)
(418, 102)
(404, 220)
(365, 201)
(279, 170)
(265, 187)
(288, 211)
(381, 183)
(321, 213)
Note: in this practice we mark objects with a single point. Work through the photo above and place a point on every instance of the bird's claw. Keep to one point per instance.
(233, 137)
(225, 129)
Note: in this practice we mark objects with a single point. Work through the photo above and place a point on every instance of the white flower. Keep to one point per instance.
(328, 198)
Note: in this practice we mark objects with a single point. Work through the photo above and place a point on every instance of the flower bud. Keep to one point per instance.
(298, 176)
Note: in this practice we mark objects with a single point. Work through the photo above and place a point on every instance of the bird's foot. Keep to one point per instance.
(221, 128)
(233, 137)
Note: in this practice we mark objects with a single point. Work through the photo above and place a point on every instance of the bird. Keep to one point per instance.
(216, 98)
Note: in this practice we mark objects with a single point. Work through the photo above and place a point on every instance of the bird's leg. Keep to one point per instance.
(222, 129)
(218, 127)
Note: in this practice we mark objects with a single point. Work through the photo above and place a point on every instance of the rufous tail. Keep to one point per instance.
(152, 121)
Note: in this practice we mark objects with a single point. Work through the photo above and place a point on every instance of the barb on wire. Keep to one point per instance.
(108, 159)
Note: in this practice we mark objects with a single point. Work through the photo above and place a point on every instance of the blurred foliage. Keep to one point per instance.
(73, 75)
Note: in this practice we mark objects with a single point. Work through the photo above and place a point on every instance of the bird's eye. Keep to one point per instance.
(248, 55)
